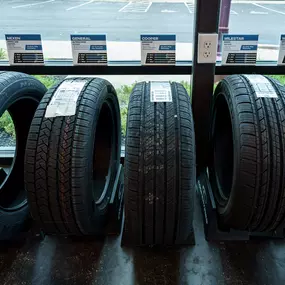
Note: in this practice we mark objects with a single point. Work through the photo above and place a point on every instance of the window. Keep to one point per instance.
(265, 18)
(122, 21)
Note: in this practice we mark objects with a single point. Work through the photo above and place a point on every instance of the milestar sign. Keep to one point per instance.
(239, 49)
(25, 49)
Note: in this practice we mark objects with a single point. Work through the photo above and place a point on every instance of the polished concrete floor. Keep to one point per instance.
(62, 261)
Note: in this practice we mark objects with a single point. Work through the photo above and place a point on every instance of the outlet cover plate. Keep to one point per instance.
(207, 48)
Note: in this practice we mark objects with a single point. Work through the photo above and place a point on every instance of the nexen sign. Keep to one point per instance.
(13, 38)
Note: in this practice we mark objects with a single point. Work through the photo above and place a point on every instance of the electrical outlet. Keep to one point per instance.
(207, 48)
(207, 45)
(207, 54)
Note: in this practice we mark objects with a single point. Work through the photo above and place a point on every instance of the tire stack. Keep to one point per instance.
(248, 152)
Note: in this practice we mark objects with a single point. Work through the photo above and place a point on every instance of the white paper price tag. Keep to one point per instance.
(239, 49)
(63, 102)
(89, 49)
(262, 86)
(158, 49)
(25, 49)
(160, 91)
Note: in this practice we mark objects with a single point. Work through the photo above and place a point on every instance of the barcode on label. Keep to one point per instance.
(63, 102)
(161, 96)
(64, 96)
(262, 86)
(160, 92)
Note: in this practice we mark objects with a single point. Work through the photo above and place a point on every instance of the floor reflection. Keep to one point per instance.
(65, 261)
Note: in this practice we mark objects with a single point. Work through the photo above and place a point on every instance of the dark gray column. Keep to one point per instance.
(206, 21)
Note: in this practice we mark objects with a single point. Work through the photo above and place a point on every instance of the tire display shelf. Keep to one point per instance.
(65, 67)
(203, 75)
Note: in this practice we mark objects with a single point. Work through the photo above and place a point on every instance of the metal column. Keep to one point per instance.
(224, 20)
(206, 21)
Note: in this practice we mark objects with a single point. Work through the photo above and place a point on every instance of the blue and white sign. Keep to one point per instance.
(158, 49)
(239, 49)
(25, 49)
(281, 57)
(89, 49)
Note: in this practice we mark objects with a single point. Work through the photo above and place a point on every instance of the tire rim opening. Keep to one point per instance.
(223, 148)
(15, 124)
(103, 152)
(7, 146)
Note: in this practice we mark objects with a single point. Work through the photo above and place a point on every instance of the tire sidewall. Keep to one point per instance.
(226, 209)
(98, 212)
(23, 87)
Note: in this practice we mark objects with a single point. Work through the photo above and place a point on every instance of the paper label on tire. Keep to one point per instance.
(160, 91)
(262, 86)
(64, 100)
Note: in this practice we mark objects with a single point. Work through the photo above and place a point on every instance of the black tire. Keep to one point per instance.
(20, 95)
(160, 170)
(246, 169)
(71, 162)
(279, 214)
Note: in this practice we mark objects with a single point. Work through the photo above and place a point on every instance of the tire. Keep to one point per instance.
(71, 161)
(246, 169)
(20, 95)
(160, 171)
(279, 214)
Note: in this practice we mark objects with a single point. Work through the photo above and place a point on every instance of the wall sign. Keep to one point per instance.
(239, 49)
(89, 49)
(24, 49)
(158, 49)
